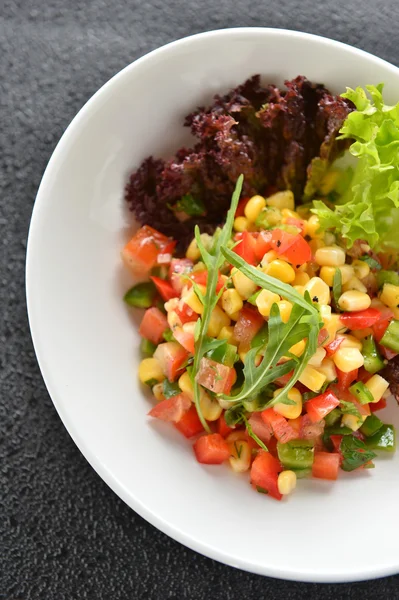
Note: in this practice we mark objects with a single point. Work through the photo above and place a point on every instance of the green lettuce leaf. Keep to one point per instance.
(369, 208)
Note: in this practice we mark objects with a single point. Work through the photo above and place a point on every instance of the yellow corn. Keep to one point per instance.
(150, 368)
(191, 299)
(301, 278)
(280, 270)
(353, 300)
(329, 238)
(318, 290)
(254, 207)
(395, 311)
(312, 378)
(231, 301)
(313, 227)
(240, 459)
(273, 215)
(303, 211)
(349, 341)
(241, 224)
(327, 274)
(218, 320)
(317, 358)
(173, 319)
(330, 256)
(348, 359)
(360, 334)
(157, 390)
(329, 181)
(377, 386)
(328, 369)
(244, 286)
(316, 244)
(352, 421)
(289, 411)
(285, 309)
(299, 348)
(390, 295)
(360, 268)
(282, 200)
(354, 283)
(287, 213)
(265, 300)
(186, 385)
(300, 289)
(227, 333)
(268, 258)
(286, 482)
(210, 408)
(193, 252)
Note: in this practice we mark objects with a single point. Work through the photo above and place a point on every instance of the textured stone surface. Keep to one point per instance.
(64, 534)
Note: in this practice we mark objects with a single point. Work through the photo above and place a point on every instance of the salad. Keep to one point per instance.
(271, 341)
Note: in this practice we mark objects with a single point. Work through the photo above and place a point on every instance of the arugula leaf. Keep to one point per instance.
(369, 208)
(234, 415)
(213, 260)
(354, 453)
(337, 287)
(170, 388)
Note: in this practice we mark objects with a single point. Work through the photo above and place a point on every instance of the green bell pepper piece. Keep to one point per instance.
(361, 392)
(147, 348)
(387, 277)
(390, 338)
(332, 417)
(302, 473)
(225, 354)
(384, 439)
(372, 358)
(141, 295)
(371, 425)
(296, 454)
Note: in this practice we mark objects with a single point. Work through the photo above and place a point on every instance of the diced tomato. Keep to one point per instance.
(333, 346)
(172, 357)
(345, 379)
(294, 248)
(185, 338)
(248, 324)
(185, 313)
(211, 449)
(299, 223)
(336, 442)
(153, 325)
(241, 207)
(201, 277)
(260, 428)
(387, 260)
(280, 426)
(246, 248)
(387, 352)
(284, 379)
(222, 426)
(141, 253)
(326, 465)
(178, 268)
(363, 375)
(264, 473)
(171, 409)
(379, 328)
(214, 376)
(165, 289)
(190, 424)
(322, 336)
(310, 430)
(320, 406)
(263, 244)
(360, 319)
(378, 405)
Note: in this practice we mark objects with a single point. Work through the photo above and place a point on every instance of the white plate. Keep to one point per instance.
(87, 343)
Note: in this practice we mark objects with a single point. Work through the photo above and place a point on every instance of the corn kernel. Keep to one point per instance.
(348, 359)
(289, 411)
(318, 357)
(330, 256)
(272, 215)
(210, 408)
(265, 300)
(328, 369)
(280, 270)
(354, 283)
(303, 211)
(327, 274)
(150, 368)
(186, 385)
(157, 390)
(361, 268)
(329, 238)
(287, 213)
(299, 348)
(318, 290)
(301, 278)
(244, 286)
(390, 295)
(360, 334)
(352, 421)
(240, 459)
(227, 333)
(241, 224)
(313, 227)
(231, 301)
(349, 341)
(377, 386)
(191, 299)
(285, 309)
(218, 320)
(316, 244)
(254, 207)
(286, 482)
(173, 319)
(282, 200)
(193, 252)
(300, 289)
(268, 258)
(312, 378)
(235, 436)
(395, 311)
(353, 300)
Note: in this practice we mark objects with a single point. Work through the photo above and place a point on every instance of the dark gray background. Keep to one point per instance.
(65, 535)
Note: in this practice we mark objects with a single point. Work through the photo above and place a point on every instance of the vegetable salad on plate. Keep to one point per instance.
(271, 341)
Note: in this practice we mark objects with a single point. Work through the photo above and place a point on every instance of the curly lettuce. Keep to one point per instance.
(369, 208)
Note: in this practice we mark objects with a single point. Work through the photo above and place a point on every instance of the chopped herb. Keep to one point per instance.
(170, 388)
(337, 287)
(372, 262)
(349, 408)
(168, 336)
(354, 453)
(238, 449)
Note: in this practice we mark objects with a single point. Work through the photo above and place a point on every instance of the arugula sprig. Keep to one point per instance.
(213, 261)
